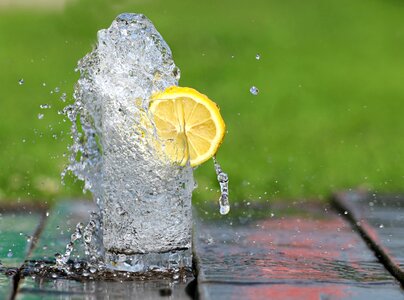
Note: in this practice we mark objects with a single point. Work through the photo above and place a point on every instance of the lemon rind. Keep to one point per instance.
(178, 92)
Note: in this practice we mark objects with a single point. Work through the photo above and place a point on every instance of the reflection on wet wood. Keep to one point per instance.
(380, 220)
(311, 254)
(17, 232)
(95, 289)
(6, 286)
(291, 291)
(60, 223)
(289, 258)
(56, 228)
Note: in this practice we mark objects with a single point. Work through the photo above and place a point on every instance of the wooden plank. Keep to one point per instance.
(6, 286)
(302, 292)
(40, 288)
(17, 230)
(380, 220)
(61, 222)
(316, 255)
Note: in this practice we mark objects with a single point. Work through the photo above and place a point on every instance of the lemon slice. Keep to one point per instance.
(188, 123)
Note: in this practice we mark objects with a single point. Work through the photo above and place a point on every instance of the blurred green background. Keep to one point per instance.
(328, 115)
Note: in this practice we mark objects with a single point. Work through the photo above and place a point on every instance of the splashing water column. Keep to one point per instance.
(144, 200)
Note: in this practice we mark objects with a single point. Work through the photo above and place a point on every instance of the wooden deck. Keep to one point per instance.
(351, 248)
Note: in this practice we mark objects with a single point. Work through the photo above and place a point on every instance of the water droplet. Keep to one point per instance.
(254, 90)
(345, 212)
(381, 226)
(63, 97)
(257, 56)
(45, 106)
(40, 116)
(57, 89)
(21, 81)
(24, 140)
(47, 214)
(224, 209)
(43, 84)
(93, 270)
(10, 253)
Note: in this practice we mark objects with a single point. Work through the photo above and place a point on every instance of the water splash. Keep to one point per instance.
(224, 188)
(63, 97)
(144, 199)
(62, 259)
(45, 106)
(92, 241)
(89, 235)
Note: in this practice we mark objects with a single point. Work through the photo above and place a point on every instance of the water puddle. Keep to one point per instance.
(83, 270)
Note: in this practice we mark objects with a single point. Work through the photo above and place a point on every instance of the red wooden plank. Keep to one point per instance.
(286, 257)
(380, 220)
(302, 292)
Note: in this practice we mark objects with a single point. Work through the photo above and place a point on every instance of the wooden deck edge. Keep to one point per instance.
(343, 203)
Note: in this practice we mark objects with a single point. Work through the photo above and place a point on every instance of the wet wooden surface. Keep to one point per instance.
(53, 229)
(313, 256)
(6, 286)
(18, 228)
(380, 220)
(37, 288)
(17, 231)
(308, 252)
(60, 223)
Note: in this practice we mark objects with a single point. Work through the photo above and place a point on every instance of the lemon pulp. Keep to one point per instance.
(188, 123)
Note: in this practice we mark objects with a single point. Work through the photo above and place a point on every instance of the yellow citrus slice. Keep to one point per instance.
(188, 123)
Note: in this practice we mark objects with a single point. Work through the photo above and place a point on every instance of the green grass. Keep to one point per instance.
(328, 115)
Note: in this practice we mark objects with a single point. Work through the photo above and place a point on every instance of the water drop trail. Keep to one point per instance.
(224, 188)
(62, 259)
(87, 234)
(91, 243)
